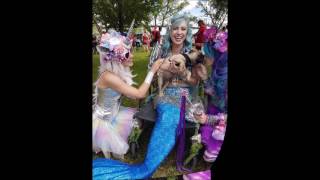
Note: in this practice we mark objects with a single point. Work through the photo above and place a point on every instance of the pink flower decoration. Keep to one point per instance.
(210, 33)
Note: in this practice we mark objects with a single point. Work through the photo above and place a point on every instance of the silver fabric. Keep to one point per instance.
(108, 103)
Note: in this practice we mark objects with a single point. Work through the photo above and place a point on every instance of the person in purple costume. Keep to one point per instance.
(214, 122)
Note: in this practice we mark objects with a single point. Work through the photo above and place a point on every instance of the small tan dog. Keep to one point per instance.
(176, 66)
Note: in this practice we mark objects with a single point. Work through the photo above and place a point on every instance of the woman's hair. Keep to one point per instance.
(201, 22)
(118, 69)
(167, 45)
(207, 50)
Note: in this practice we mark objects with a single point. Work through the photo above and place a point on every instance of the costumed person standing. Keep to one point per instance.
(214, 122)
(156, 36)
(146, 40)
(199, 36)
(111, 122)
(169, 122)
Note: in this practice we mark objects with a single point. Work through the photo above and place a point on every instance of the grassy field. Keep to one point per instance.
(168, 167)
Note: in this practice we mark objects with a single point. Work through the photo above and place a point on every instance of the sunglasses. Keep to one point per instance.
(128, 53)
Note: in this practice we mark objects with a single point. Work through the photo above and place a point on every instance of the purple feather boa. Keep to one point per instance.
(181, 136)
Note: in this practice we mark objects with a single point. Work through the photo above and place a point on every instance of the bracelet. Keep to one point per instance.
(212, 119)
(149, 77)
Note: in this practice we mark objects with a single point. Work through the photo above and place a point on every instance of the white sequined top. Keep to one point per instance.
(107, 103)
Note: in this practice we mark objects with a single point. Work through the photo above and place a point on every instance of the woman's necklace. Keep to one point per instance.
(175, 81)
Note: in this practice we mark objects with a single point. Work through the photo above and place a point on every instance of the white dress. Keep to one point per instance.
(111, 123)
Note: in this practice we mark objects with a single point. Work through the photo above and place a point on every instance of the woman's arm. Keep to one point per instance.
(194, 79)
(210, 119)
(114, 82)
(190, 77)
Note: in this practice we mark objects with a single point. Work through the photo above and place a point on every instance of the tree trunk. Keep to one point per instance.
(120, 16)
(221, 23)
(212, 20)
(166, 13)
(162, 22)
(163, 18)
(218, 17)
(98, 27)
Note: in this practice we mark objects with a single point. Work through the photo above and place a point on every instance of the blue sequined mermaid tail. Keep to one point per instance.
(163, 139)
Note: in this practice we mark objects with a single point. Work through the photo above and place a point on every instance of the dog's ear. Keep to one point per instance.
(193, 55)
(192, 50)
(196, 56)
(200, 58)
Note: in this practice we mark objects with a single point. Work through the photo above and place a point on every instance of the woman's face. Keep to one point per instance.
(179, 33)
(129, 61)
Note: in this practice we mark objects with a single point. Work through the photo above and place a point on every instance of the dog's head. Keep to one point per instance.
(195, 56)
(187, 60)
(173, 63)
(179, 62)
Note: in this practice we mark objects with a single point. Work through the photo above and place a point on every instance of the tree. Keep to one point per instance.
(156, 8)
(193, 18)
(217, 10)
(171, 7)
(118, 14)
(163, 9)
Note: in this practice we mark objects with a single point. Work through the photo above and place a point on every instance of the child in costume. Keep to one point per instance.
(214, 122)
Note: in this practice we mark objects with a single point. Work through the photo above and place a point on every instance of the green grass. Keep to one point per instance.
(168, 167)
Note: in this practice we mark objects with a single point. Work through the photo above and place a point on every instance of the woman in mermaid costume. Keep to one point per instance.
(112, 123)
(169, 114)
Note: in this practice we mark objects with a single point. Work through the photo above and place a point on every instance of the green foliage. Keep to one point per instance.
(195, 148)
(118, 14)
(217, 10)
(164, 9)
(135, 134)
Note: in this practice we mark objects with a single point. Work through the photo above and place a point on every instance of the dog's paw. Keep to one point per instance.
(161, 94)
